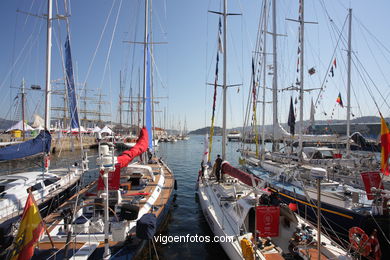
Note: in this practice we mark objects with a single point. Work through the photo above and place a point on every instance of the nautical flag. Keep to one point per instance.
(220, 46)
(312, 71)
(331, 71)
(385, 144)
(291, 118)
(30, 229)
(334, 63)
(339, 100)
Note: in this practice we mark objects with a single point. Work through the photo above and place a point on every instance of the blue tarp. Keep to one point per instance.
(146, 226)
(39, 144)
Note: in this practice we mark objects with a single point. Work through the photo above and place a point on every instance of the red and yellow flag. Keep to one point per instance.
(385, 144)
(30, 229)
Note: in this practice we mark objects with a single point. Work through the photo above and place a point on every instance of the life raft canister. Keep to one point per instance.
(359, 241)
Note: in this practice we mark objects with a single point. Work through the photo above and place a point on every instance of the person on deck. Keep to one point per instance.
(218, 164)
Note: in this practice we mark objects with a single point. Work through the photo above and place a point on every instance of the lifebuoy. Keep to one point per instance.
(359, 241)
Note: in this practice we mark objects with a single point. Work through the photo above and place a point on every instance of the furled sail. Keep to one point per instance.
(40, 144)
(140, 147)
(72, 103)
(246, 178)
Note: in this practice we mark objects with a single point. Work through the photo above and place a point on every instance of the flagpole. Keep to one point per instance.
(349, 83)
(275, 145)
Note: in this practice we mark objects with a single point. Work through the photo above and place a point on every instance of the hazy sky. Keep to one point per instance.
(186, 62)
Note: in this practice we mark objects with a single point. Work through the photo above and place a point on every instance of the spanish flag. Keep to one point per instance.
(385, 144)
(30, 229)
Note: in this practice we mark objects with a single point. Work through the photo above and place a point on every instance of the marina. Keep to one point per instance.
(153, 130)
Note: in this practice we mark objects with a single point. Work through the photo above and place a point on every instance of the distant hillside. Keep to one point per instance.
(5, 123)
(206, 130)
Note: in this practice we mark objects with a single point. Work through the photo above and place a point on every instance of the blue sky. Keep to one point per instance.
(187, 61)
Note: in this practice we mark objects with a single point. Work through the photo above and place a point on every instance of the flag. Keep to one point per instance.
(220, 47)
(339, 100)
(291, 118)
(331, 71)
(334, 63)
(385, 144)
(312, 112)
(312, 71)
(30, 229)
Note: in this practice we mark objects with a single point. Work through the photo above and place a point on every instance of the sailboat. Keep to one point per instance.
(237, 206)
(343, 206)
(117, 215)
(50, 187)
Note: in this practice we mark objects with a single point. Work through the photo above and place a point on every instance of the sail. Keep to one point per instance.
(39, 144)
(140, 147)
(72, 103)
(246, 178)
(148, 103)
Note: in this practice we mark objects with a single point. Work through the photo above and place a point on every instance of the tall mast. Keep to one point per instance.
(145, 54)
(224, 80)
(48, 66)
(23, 109)
(349, 81)
(275, 78)
(264, 80)
(120, 97)
(301, 32)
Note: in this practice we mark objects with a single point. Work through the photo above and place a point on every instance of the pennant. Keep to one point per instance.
(339, 100)
(220, 46)
(385, 144)
(331, 71)
(291, 118)
(30, 229)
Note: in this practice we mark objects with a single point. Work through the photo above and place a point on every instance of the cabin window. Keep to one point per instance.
(49, 181)
(37, 186)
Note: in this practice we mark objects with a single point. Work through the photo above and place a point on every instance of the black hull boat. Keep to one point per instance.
(336, 219)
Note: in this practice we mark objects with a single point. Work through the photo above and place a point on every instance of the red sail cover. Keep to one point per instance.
(123, 160)
(139, 148)
(267, 221)
(244, 177)
(371, 180)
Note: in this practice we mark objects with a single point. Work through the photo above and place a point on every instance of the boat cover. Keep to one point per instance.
(139, 148)
(146, 226)
(242, 176)
(40, 144)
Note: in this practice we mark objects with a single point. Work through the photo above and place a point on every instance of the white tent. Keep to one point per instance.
(19, 126)
(38, 122)
(96, 129)
(82, 129)
(107, 130)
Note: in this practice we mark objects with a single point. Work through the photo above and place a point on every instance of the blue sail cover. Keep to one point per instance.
(148, 103)
(40, 144)
(72, 103)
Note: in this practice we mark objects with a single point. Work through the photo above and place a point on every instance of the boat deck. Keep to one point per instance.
(153, 197)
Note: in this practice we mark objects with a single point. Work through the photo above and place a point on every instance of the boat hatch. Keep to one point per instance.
(37, 186)
(50, 181)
